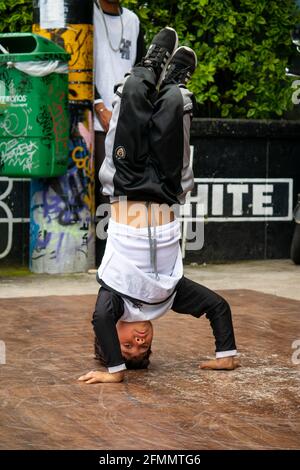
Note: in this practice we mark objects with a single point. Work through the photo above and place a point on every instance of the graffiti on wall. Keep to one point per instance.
(11, 215)
(62, 235)
(34, 129)
(18, 153)
(16, 122)
(62, 232)
(77, 40)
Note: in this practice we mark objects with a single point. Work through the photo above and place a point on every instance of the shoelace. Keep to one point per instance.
(157, 57)
(176, 75)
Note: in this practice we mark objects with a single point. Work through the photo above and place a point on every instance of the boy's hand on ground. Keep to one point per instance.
(223, 363)
(96, 376)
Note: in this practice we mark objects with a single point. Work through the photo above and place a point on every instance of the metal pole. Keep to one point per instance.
(62, 232)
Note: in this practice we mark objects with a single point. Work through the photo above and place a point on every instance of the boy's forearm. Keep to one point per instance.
(104, 323)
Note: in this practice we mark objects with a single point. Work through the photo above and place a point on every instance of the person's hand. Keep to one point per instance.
(104, 115)
(223, 363)
(96, 376)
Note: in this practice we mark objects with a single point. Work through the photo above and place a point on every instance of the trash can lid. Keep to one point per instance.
(23, 47)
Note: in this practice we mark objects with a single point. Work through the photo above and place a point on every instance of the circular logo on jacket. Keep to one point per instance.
(120, 152)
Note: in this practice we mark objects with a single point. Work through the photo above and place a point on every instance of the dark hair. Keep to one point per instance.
(141, 362)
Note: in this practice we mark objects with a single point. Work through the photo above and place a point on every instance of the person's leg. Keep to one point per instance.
(131, 116)
(196, 300)
(126, 144)
(137, 95)
(169, 138)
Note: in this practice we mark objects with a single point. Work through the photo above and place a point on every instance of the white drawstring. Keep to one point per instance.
(152, 241)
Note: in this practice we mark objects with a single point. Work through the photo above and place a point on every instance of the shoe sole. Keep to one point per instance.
(162, 75)
(194, 54)
(192, 51)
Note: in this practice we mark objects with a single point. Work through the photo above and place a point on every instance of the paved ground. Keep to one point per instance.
(45, 326)
(173, 405)
(280, 278)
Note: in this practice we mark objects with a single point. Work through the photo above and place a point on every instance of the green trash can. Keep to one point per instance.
(34, 111)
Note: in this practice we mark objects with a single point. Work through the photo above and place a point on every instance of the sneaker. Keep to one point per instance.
(160, 52)
(182, 66)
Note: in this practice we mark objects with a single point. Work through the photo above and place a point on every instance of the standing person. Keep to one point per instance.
(118, 45)
(146, 172)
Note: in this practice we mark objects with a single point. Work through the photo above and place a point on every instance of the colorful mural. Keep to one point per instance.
(62, 233)
(62, 229)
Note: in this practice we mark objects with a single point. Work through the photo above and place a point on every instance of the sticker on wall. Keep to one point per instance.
(52, 14)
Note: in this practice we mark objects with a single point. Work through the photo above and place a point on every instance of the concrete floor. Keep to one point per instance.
(45, 324)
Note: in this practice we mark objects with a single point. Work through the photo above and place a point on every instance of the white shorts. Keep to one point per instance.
(126, 268)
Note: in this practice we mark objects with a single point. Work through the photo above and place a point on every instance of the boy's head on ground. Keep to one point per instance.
(135, 338)
(135, 342)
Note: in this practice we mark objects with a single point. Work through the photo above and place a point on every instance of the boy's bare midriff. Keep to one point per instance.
(140, 214)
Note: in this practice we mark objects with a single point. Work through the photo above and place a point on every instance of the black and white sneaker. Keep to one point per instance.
(160, 52)
(182, 66)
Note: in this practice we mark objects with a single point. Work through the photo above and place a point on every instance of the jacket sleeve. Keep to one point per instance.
(109, 308)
